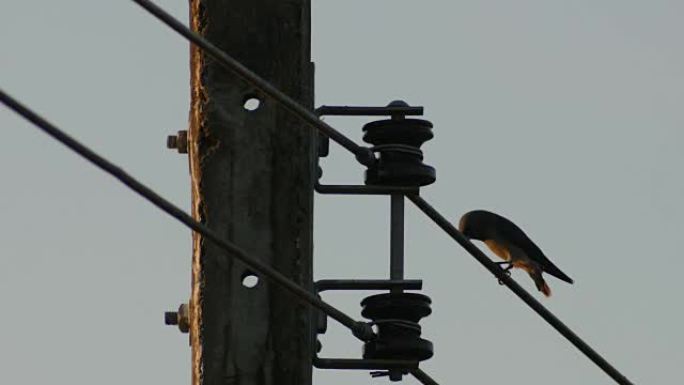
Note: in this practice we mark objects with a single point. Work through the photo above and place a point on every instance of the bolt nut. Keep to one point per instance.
(178, 141)
(171, 141)
(171, 318)
(180, 318)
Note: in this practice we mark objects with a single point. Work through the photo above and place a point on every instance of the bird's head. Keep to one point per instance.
(476, 225)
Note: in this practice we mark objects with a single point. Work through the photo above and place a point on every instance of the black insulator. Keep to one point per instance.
(396, 316)
(397, 142)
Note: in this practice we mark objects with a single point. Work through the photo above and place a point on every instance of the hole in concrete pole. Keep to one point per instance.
(251, 103)
(249, 279)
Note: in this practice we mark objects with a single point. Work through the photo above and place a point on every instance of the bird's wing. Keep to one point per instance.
(517, 237)
(537, 255)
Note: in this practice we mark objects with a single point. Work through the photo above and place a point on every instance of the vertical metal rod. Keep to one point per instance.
(396, 253)
(397, 238)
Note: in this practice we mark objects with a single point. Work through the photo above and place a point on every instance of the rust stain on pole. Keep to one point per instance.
(197, 100)
(252, 174)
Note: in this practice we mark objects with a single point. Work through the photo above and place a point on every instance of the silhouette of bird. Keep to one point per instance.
(512, 245)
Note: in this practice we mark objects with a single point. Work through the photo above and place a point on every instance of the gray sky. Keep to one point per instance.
(563, 116)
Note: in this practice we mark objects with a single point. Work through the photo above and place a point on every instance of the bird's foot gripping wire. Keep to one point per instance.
(506, 270)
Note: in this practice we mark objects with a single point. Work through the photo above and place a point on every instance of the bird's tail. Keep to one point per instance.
(540, 283)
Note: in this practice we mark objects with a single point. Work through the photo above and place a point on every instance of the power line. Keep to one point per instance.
(361, 330)
(360, 152)
(363, 154)
(506, 279)
(423, 377)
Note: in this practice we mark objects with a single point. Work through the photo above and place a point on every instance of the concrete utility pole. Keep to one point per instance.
(252, 181)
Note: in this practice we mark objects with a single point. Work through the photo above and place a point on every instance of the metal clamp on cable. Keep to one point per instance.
(363, 331)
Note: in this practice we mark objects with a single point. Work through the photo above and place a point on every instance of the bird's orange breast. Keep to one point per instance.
(504, 253)
(498, 249)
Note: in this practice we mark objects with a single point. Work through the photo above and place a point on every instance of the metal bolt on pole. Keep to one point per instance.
(178, 141)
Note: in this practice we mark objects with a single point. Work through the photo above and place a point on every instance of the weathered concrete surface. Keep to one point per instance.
(252, 178)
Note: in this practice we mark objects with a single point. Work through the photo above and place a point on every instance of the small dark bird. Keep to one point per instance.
(510, 243)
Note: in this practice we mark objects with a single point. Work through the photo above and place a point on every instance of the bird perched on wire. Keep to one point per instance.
(510, 243)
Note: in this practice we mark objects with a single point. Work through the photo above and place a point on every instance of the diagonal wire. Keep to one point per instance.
(423, 377)
(365, 157)
(363, 154)
(519, 291)
(361, 330)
